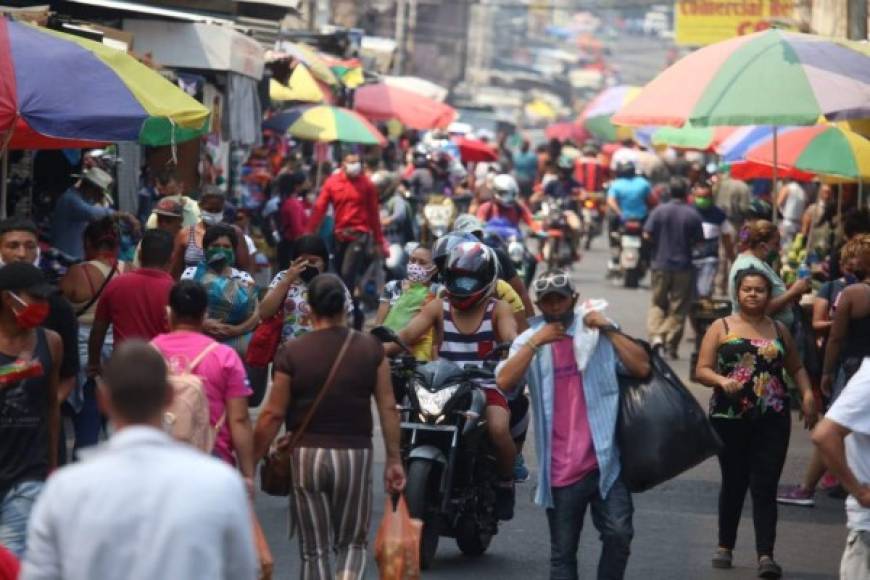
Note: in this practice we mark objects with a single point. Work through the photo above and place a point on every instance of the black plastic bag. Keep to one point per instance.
(662, 430)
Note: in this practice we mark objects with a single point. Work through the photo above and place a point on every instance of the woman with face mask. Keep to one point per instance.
(233, 311)
(288, 292)
(189, 248)
(401, 300)
(762, 250)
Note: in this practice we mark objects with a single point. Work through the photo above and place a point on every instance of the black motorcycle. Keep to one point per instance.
(449, 462)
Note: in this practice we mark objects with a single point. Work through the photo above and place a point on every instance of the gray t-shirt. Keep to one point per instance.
(675, 228)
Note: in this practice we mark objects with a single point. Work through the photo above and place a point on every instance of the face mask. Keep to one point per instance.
(566, 318)
(309, 273)
(850, 278)
(219, 258)
(353, 169)
(30, 315)
(419, 273)
(210, 218)
(703, 202)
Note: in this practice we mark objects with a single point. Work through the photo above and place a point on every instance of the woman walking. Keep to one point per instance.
(331, 489)
(744, 358)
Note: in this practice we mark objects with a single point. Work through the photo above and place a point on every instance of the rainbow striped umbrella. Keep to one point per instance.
(767, 78)
(325, 123)
(597, 116)
(822, 149)
(689, 137)
(57, 89)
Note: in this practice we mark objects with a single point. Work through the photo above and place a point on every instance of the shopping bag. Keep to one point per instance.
(265, 341)
(662, 430)
(397, 545)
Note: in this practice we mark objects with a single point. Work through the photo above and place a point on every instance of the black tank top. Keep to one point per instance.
(24, 408)
(857, 342)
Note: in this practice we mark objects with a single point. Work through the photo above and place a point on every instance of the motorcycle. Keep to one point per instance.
(556, 237)
(449, 462)
(438, 215)
(513, 244)
(592, 212)
(629, 258)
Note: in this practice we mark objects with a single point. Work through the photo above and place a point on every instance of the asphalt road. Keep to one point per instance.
(675, 523)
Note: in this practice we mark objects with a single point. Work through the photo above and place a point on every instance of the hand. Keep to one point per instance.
(808, 408)
(394, 477)
(596, 319)
(550, 332)
(211, 326)
(729, 385)
(93, 370)
(827, 384)
(292, 273)
(802, 285)
(863, 495)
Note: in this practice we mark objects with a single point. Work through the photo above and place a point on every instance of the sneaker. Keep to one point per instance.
(767, 568)
(521, 472)
(504, 501)
(722, 558)
(796, 495)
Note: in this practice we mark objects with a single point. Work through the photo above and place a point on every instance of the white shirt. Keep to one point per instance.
(852, 411)
(142, 507)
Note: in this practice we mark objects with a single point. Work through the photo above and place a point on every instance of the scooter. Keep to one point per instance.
(556, 237)
(629, 259)
(514, 245)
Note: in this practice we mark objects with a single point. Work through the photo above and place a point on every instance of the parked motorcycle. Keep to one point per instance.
(557, 249)
(629, 258)
(449, 462)
(511, 240)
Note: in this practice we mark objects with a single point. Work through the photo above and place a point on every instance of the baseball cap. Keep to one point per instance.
(554, 281)
(169, 208)
(98, 177)
(21, 276)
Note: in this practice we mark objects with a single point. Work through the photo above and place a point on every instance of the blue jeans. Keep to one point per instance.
(15, 508)
(611, 516)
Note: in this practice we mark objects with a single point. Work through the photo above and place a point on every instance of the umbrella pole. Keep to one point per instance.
(774, 193)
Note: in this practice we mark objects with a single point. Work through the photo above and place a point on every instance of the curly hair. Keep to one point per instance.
(759, 232)
(857, 247)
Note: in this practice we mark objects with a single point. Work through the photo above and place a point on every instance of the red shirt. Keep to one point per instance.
(355, 203)
(8, 565)
(590, 174)
(135, 303)
(292, 218)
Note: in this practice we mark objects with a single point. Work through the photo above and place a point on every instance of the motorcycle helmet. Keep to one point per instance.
(565, 163)
(468, 224)
(470, 275)
(494, 240)
(385, 183)
(626, 169)
(421, 156)
(445, 244)
(505, 189)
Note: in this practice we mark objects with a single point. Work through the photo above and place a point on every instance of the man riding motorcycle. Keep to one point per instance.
(506, 203)
(628, 199)
(468, 324)
(566, 187)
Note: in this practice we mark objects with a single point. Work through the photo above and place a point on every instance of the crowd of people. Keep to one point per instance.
(263, 300)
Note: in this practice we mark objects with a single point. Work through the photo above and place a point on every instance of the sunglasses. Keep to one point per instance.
(551, 281)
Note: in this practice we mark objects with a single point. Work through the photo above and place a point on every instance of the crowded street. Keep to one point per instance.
(402, 289)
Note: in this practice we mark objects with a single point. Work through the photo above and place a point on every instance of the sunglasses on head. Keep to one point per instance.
(551, 281)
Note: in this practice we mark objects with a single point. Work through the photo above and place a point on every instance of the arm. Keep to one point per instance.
(272, 416)
(245, 327)
(728, 245)
(81, 210)
(374, 215)
(705, 371)
(56, 347)
(614, 205)
(839, 329)
(520, 288)
(178, 253)
(512, 371)
(795, 368)
(504, 323)
(394, 475)
(632, 355)
(95, 345)
(427, 318)
(276, 295)
(243, 255)
(821, 322)
(320, 205)
(242, 435)
(383, 310)
(829, 437)
(787, 298)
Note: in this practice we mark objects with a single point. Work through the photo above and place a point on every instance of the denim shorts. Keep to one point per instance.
(15, 508)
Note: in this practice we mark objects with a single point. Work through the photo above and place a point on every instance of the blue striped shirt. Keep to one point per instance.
(601, 389)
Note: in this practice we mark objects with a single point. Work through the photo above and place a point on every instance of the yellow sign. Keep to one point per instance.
(700, 22)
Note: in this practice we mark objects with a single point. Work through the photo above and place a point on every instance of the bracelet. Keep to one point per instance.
(533, 345)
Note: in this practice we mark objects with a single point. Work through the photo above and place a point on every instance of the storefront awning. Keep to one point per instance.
(145, 9)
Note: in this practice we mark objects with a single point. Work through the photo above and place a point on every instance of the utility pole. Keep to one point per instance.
(856, 25)
(398, 61)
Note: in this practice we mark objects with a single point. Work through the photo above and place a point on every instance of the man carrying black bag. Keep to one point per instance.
(570, 358)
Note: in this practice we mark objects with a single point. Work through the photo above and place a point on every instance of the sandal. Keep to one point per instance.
(722, 558)
(767, 568)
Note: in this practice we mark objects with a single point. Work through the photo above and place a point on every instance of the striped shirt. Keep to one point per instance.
(468, 349)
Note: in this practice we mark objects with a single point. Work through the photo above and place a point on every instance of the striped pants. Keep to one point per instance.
(332, 505)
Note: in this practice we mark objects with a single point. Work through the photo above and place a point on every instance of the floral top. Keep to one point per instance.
(758, 364)
(296, 312)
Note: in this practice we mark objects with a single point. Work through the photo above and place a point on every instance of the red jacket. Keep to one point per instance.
(355, 204)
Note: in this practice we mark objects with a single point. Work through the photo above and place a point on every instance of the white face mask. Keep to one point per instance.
(353, 169)
(211, 218)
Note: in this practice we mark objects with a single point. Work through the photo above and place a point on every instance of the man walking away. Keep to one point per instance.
(674, 229)
(144, 506)
(29, 409)
(717, 232)
(843, 437)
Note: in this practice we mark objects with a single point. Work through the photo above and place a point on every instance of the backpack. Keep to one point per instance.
(187, 417)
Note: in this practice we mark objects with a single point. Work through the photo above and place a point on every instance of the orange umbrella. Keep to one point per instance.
(382, 102)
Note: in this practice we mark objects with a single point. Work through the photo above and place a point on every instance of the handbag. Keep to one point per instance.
(275, 476)
(265, 341)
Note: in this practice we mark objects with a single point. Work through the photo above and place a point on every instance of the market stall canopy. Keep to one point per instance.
(326, 124)
(310, 58)
(688, 137)
(822, 149)
(198, 45)
(61, 86)
(733, 148)
(767, 78)
(301, 86)
(598, 114)
(382, 102)
(749, 170)
(417, 85)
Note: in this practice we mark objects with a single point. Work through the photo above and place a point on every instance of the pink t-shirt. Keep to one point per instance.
(573, 453)
(222, 373)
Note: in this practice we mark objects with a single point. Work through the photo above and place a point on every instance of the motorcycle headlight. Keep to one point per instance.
(516, 252)
(432, 404)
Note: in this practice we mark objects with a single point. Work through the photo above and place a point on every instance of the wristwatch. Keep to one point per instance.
(612, 327)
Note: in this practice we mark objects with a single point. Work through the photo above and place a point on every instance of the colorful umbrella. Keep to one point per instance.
(475, 151)
(417, 85)
(301, 86)
(822, 149)
(312, 59)
(382, 102)
(767, 78)
(688, 137)
(325, 123)
(56, 86)
(749, 170)
(597, 115)
(567, 131)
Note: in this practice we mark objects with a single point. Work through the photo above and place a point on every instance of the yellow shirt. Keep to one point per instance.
(505, 291)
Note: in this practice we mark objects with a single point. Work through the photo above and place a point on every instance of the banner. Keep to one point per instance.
(700, 22)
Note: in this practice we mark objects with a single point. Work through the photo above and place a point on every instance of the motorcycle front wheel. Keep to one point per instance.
(470, 538)
(420, 497)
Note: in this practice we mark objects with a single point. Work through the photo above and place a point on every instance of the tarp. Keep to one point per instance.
(197, 45)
